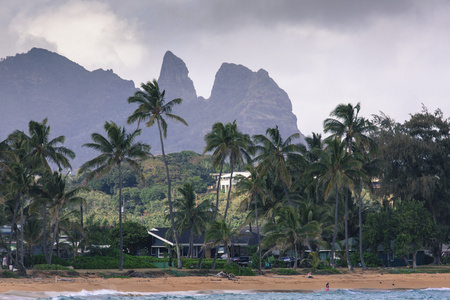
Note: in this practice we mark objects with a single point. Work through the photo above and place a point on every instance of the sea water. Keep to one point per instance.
(443, 293)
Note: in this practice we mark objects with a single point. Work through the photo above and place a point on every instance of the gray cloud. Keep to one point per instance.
(389, 55)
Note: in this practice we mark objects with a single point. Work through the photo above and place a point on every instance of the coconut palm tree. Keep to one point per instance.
(288, 233)
(42, 152)
(153, 108)
(54, 188)
(348, 125)
(189, 215)
(337, 169)
(221, 233)
(226, 142)
(254, 187)
(116, 148)
(17, 181)
(273, 154)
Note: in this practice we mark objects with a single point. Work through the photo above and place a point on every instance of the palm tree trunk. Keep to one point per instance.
(335, 227)
(13, 223)
(287, 194)
(218, 191)
(55, 233)
(191, 245)
(229, 193)
(360, 227)
(259, 238)
(347, 254)
(172, 219)
(44, 221)
(22, 255)
(120, 219)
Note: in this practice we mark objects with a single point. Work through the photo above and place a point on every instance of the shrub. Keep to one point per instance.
(286, 272)
(428, 259)
(238, 271)
(50, 267)
(9, 274)
(39, 259)
(326, 269)
(371, 260)
(112, 261)
(446, 260)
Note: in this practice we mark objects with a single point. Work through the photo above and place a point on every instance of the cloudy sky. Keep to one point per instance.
(391, 56)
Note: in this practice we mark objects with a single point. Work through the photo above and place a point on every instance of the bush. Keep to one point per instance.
(112, 261)
(238, 271)
(371, 260)
(45, 267)
(206, 263)
(9, 274)
(326, 269)
(255, 261)
(446, 260)
(39, 259)
(428, 259)
(286, 272)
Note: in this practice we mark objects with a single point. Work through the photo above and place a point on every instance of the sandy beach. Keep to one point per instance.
(269, 282)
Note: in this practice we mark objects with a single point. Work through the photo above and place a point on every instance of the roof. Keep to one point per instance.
(244, 238)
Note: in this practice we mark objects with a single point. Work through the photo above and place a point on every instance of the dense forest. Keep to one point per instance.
(377, 181)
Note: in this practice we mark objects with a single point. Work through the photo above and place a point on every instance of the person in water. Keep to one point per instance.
(327, 287)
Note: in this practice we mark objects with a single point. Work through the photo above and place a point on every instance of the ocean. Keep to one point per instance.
(443, 293)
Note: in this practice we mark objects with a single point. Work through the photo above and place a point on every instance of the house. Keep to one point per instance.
(225, 179)
(239, 244)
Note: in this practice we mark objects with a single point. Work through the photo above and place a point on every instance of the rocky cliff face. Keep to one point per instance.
(42, 84)
(77, 102)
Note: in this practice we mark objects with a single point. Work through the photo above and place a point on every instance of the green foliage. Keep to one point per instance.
(370, 259)
(50, 267)
(238, 270)
(255, 261)
(286, 272)
(135, 237)
(9, 274)
(325, 268)
(39, 259)
(111, 261)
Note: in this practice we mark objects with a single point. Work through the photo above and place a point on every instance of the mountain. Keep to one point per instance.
(41, 84)
(253, 99)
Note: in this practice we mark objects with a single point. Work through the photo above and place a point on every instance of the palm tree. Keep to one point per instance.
(337, 169)
(273, 154)
(17, 181)
(220, 233)
(152, 107)
(117, 148)
(54, 187)
(42, 151)
(354, 130)
(226, 142)
(288, 233)
(189, 215)
(254, 187)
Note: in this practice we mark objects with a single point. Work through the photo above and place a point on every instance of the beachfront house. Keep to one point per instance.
(160, 243)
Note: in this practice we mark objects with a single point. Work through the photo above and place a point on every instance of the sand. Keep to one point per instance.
(269, 282)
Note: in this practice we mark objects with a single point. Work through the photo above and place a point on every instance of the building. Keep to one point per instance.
(225, 179)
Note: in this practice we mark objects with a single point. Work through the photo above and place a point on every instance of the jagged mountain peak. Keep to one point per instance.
(174, 78)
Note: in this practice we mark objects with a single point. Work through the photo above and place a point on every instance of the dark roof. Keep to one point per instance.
(245, 237)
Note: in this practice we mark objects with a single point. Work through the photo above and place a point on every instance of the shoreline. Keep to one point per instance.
(359, 280)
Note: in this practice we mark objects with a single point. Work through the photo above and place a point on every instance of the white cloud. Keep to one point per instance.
(84, 31)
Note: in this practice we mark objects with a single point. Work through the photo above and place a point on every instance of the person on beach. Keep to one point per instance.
(327, 287)
(5, 262)
(309, 275)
